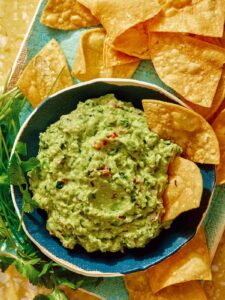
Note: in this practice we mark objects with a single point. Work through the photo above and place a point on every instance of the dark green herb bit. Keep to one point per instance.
(123, 175)
(133, 195)
(125, 123)
(59, 185)
(113, 151)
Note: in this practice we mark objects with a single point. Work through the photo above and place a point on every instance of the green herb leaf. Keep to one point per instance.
(29, 205)
(4, 180)
(17, 169)
(21, 148)
(57, 294)
(69, 279)
(70, 284)
(27, 269)
(5, 262)
(46, 268)
(15, 172)
(30, 164)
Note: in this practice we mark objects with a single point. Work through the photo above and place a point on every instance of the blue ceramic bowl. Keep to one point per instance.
(105, 264)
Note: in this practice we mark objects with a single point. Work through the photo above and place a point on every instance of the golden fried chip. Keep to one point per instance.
(215, 289)
(123, 22)
(203, 17)
(208, 112)
(138, 287)
(125, 71)
(45, 74)
(112, 57)
(127, 42)
(183, 192)
(191, 67)
(211, 40)
(67, 15)
(191, 290)
(138, 282)
(118, 16)
(186, 128)
(219, 128)
(191, 262)
(89, 62)
(222, 40)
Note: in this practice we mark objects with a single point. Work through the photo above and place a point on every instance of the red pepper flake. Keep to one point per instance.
(121, 217)
(104, 142)
(105, 172)
(101, 144)
(112, 135)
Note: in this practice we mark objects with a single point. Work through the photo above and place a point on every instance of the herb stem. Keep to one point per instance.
(56, 80)
(4, 143)
(7, 233)
(14, 127)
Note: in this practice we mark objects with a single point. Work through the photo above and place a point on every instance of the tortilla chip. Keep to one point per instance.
(89, 62)
(202, 17)
(127, 42)
(118, 16)
(138, 287)
(125, 71)
(138, 282)
(208, 112)
(123, 22)
(191, 67)
(191, 290)
(215, 289)
(222, 40)
(211, 40)
(112, 57)
(183, 192)
(45, 74)
(184, 127)
(219, 128)
(67, 15)
(191, 262)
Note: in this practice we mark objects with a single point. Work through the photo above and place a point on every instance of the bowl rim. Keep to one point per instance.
(113, 81)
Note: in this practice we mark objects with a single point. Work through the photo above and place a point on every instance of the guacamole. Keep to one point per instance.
(102, 175)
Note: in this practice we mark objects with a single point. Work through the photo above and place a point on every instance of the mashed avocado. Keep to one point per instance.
(101, 178)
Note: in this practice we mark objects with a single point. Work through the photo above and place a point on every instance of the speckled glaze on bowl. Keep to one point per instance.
(105, 264)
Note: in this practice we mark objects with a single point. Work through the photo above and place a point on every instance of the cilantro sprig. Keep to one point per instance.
(17, 171)
(15, 247)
